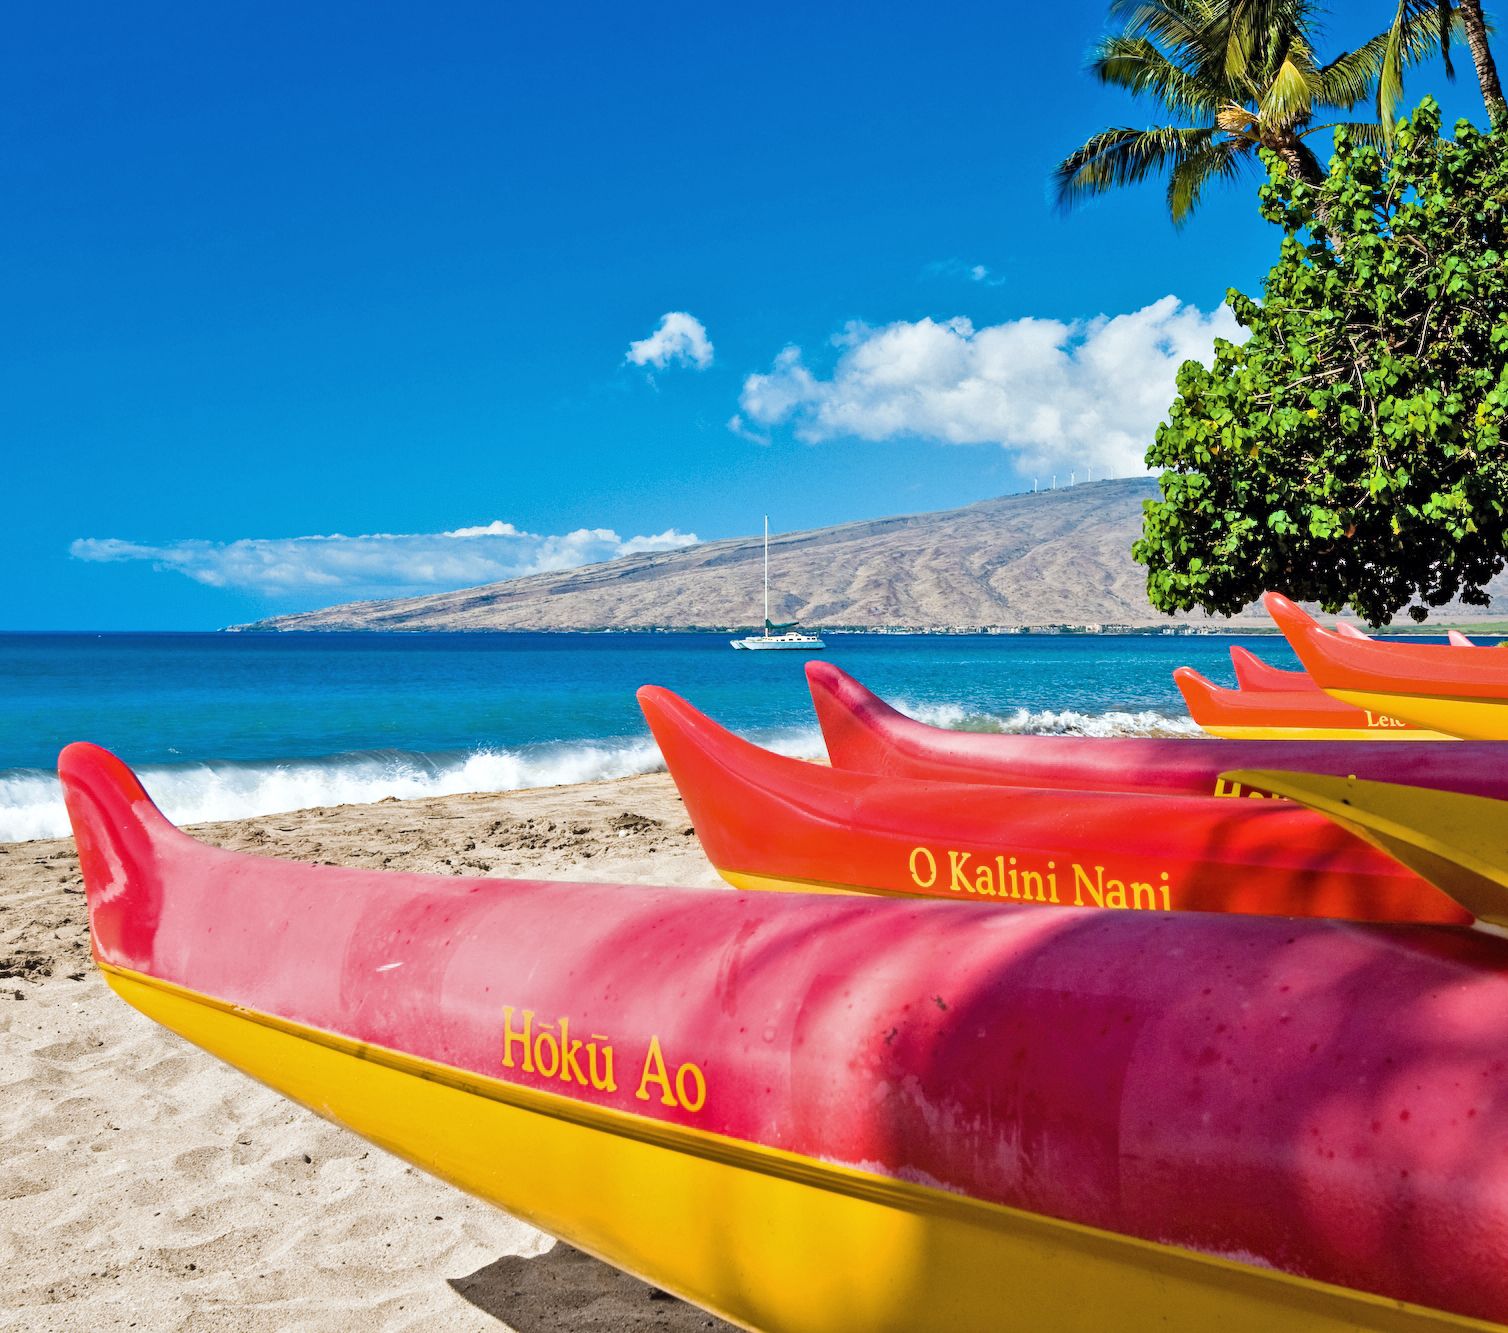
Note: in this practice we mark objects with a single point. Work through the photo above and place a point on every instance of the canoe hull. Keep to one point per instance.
(1293, 715)
(865, 735)
(836, 1113)
(769, 821)
(1470, 719)
(1228, 732)
(765, 1238)
(1429, 684)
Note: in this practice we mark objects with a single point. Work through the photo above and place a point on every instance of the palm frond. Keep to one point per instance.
(1349, 79)
(1124, 156)
(1181, 28)
(1368, 132)
(1420, 28)
(1254, 35)
(1288, 97)
(1220, 159)
(1135, 64)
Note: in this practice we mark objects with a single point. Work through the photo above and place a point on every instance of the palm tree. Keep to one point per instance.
(1464, 18)
(1241, 75)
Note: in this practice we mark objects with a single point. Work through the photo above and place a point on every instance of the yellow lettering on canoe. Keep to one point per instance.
(549, 1052)
(920, 856)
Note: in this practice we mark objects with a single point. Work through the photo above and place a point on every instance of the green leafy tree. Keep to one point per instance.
(1239, 77)
(1351, 450)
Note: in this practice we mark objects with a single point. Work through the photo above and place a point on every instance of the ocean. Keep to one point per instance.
(223, 726)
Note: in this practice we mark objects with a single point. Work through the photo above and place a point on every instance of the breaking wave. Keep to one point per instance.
(1050, 722)
(31, 802)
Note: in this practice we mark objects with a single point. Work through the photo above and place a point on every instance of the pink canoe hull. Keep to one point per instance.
(865, 734)
(1305, 1098)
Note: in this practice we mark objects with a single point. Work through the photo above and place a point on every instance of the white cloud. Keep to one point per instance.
(740, 428)
(669, 540)
(497, 528)
(381, 563)
(680, 339)
(1088, 393)
(958, 268)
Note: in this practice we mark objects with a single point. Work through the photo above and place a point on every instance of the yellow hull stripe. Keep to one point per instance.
(1471, 719)
(768, 1239)
(1325, 734)
(777, 884)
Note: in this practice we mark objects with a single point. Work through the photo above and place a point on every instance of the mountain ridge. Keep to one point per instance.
(1036, 560)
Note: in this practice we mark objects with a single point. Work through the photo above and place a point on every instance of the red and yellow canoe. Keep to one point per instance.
(1294, 715)
(1253, 675)
(823, 1114)
(770, 822)
(1431, 685)
(865, 734)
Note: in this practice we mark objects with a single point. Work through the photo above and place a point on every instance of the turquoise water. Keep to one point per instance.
(225, 725)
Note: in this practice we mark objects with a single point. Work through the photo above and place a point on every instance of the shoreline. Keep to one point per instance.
(150, 1183)
(1489, 626)
(1177, 630)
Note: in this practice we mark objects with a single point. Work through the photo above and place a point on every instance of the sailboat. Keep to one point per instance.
(777, 636)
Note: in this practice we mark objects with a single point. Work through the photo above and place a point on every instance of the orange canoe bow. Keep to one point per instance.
(770, 822)
(820, 1114)
(1254, 676)
(1296, 715)
(1431, 685)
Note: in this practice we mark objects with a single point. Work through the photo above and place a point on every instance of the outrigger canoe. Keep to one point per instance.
(1254, 676)
(821, 1114)
(1431, 685)
(770, 822)
(1295, 715)
(865, 734)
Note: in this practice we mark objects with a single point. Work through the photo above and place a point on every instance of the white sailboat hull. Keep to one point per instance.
(808, 643)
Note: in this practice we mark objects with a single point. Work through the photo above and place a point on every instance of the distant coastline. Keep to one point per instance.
(1053, 562)
(1176, 629)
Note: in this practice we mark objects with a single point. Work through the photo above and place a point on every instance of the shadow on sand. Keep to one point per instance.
(564, 1290)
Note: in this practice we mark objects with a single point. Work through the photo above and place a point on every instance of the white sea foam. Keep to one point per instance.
(31, 802)
(798, 742)
(1048, 722)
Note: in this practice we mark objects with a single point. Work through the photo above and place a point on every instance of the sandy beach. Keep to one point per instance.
(146, 1185)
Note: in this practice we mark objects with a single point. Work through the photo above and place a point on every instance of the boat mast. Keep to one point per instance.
(767, 576)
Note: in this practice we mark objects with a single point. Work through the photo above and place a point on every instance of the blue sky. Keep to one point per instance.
(274, 272)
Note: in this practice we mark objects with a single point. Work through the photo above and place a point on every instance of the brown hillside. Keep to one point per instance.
(1056, 558)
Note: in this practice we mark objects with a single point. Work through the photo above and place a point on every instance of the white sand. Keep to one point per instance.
(145, 1185)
